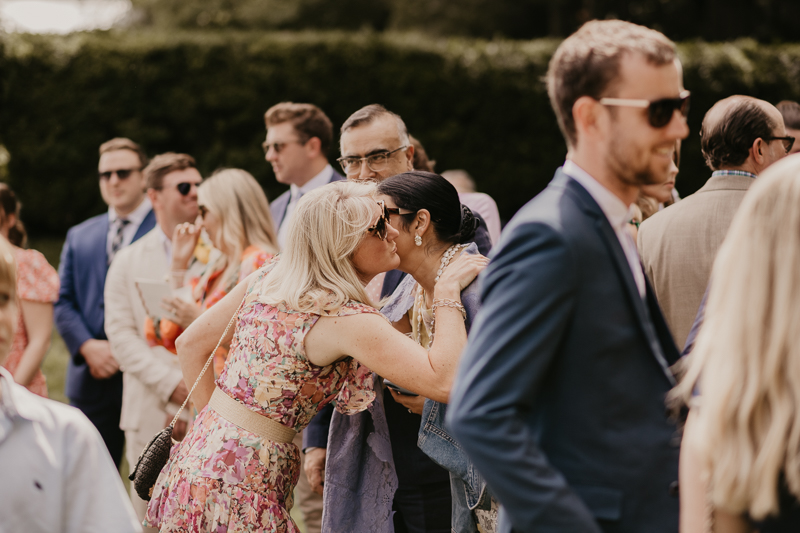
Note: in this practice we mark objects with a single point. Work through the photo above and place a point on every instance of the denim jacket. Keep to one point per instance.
(360, 478)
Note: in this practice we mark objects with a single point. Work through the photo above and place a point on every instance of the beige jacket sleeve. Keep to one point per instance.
(125, 331)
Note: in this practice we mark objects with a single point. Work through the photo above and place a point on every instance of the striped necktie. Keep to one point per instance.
(116, 244)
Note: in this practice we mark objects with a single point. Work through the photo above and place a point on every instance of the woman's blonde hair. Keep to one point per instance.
(239, 203)
(746, 362)
(316, 271)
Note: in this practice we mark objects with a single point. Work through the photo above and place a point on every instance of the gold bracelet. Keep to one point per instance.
(445, 302)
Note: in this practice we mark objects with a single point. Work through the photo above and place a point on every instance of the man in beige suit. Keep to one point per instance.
(153, 386)
(740, 137)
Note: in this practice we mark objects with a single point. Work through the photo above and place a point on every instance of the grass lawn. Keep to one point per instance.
(55, 362)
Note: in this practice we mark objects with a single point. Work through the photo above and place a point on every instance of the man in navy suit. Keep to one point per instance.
(298, 139)
(559, 397)
(94, 381)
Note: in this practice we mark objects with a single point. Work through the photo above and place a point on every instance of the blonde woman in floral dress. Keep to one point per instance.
(303, 330)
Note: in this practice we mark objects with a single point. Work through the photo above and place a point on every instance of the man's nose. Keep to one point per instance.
(365, 173)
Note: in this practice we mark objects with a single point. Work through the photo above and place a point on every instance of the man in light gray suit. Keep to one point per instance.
(741, 136)
(152, 382)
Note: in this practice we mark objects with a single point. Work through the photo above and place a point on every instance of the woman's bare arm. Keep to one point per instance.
(371, 340)
(197, 342)
(38, 320)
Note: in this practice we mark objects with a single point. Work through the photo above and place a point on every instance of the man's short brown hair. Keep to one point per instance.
(587, 64)
(307, 119)
(163, 164)
(790, 111)
(123, 143)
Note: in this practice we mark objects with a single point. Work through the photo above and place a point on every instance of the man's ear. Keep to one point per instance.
(313, 147)
(585, 114)
(410, 157)
(152, 194)
(757, 151)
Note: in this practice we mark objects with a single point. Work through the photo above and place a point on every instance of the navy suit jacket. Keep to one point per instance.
(79, 312)
(278, 205)
(559, 396)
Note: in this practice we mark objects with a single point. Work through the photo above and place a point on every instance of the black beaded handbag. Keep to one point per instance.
(155, 455)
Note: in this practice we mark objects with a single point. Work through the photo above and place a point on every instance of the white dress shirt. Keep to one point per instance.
(295, 192)
(136, 217)
(618, 215)
(56, 472)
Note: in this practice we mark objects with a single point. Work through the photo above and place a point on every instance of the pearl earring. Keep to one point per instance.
(417, 240)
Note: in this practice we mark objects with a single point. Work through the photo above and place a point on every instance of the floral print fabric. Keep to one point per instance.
(37, 281)
(222, 478)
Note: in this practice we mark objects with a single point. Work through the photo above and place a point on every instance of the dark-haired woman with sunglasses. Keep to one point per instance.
(434, 230)
(303, 328)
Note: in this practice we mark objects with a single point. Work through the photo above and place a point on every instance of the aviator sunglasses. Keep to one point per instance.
(659, 112)
(183, 187)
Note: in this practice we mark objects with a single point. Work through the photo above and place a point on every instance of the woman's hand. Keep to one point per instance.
(458, 274)
(184, 312)
(184, 241)
(414, 404)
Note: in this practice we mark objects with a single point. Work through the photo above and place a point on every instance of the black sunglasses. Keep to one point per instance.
(659, 112)
(788, 141)
(379, 229)
(122, 173)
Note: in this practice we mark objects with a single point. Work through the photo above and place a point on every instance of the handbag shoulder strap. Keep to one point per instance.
(210, 358)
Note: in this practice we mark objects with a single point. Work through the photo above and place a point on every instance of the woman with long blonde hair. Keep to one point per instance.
(740, 458)
(235, 214)
(303, 328)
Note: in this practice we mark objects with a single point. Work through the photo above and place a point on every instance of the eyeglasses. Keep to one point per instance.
(375, 162)
(788, 141)
(379, 229)
(122, 173)
(659, 112)
(278, 147)
(398, 211)
(203, 211)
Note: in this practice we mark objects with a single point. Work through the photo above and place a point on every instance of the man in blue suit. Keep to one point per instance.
(298, 139)
(559, 397)
(94, 381)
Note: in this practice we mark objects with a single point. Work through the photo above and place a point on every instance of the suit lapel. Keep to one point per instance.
(102, 237)
(147, 224)
(623, 269)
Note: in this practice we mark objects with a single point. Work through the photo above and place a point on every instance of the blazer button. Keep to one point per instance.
(674, 488)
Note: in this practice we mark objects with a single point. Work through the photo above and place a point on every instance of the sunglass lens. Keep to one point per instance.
(104, 175)
(123, 174)
(184, 188)
(661, 112)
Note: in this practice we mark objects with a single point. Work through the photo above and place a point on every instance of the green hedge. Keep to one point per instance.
(478, 105)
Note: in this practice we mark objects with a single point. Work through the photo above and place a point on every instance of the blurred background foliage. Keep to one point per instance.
(475, 104)
(197, 75)
(765, 20)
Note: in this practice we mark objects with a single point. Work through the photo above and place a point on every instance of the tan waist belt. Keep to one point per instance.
(236, 413)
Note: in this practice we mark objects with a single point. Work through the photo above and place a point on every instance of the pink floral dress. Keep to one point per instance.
(222, 478)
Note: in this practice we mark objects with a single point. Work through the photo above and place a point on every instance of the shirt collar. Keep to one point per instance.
(717, 173)
(317, 181)
(136, 217)
(615, 210)
(8, 410)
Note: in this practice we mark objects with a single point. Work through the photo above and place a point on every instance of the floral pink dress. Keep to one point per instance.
(37, 281)
(222, 478)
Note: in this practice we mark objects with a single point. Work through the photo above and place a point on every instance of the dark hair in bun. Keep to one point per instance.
(452, 222)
